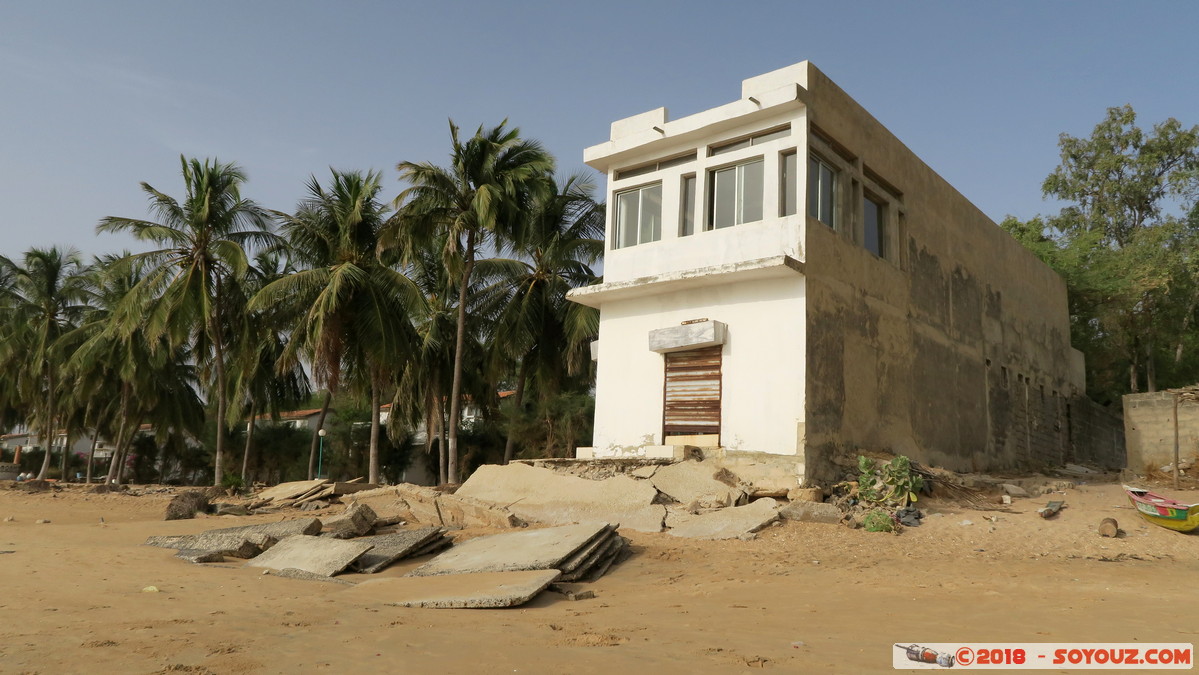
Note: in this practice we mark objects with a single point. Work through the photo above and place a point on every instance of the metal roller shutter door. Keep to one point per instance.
(692, 396)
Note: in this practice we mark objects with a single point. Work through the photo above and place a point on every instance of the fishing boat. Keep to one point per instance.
(1163, 511)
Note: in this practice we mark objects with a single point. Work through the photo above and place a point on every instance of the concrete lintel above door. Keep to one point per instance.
(706, 333)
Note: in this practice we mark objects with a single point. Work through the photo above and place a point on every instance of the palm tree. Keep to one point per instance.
(203, 239)
(535, 326)
(121, 377)
(48, 296)
(350, 311)
(476, 202)
(258, 387)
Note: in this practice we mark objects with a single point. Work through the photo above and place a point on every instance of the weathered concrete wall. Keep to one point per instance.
(1149, 430)
(1096, 435)
(762, 364)
(955, 349)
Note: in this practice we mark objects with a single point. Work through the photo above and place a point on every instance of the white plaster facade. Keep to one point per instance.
(872, 306)
(748, 276)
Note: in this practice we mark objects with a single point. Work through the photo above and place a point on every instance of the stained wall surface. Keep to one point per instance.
(1149, 429)
(953, 347)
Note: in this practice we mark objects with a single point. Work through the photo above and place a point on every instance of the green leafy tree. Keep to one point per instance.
(48, 295)
(535, 326)
(350, 310)
(204, 239)
(492, 180)
(1125, 250)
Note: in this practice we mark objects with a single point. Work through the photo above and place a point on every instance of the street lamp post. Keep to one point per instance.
(321, 457)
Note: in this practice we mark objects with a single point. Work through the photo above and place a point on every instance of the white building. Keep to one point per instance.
(873, 307)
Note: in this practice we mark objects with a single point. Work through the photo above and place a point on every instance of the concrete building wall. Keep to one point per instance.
(954, 347)
(762, 364)
(1149, 430)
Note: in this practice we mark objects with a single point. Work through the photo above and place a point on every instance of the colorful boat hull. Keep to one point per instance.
(1163, 511)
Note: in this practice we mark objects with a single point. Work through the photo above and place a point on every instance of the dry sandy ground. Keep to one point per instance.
(801, 598)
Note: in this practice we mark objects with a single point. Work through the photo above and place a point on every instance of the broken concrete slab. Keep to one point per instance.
(197, 556)
(763, 473)
(609, 549)
(480, 590)
(537, 494)
(692, 481)
(317, 555)
(229, 510)
(812, 512)
(453, 510)
(292, 490)
(1014, 490)
(390, 548)
(644, 471)
(524, 550)
(238, 545)
(421, 502)
(729, 523)
(243, 541)
(356, 521)
(463, 511)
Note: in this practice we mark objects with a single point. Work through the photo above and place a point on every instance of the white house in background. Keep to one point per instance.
(297, 419)
(784, 277)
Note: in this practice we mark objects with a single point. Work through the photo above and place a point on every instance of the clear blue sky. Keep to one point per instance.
(98, 96)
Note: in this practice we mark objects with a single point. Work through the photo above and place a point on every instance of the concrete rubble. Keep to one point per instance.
(318, 555)
(688, 482)
(578, 551)
(245, 541)
(479, 590)
(540, 495)
(729, 523)
(390, 548)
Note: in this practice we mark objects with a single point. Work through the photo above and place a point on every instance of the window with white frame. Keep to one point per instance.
(788, 184)
(639, 215)
(735, 194)
(687, 199)
(822, 191)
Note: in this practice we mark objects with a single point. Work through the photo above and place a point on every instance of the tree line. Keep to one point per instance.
(432, 301)
(1127, 245)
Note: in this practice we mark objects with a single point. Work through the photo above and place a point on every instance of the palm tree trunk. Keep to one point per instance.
(48, 439)
(373, 466)
(91, 456)
(128, 445)
(116, 446)
(320, 424)
(221, 401)
(245, 453)
(517, 401)
(459, 346)
(442, 463)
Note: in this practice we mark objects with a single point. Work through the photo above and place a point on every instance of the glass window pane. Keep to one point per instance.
(626, 218)
(688, 198)
(789, 187)
(813, 188)
(772, 136)
(721, 149)
(872, 231)
(826, 195)
(724, 197)
(651, 213)
(751, 191)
